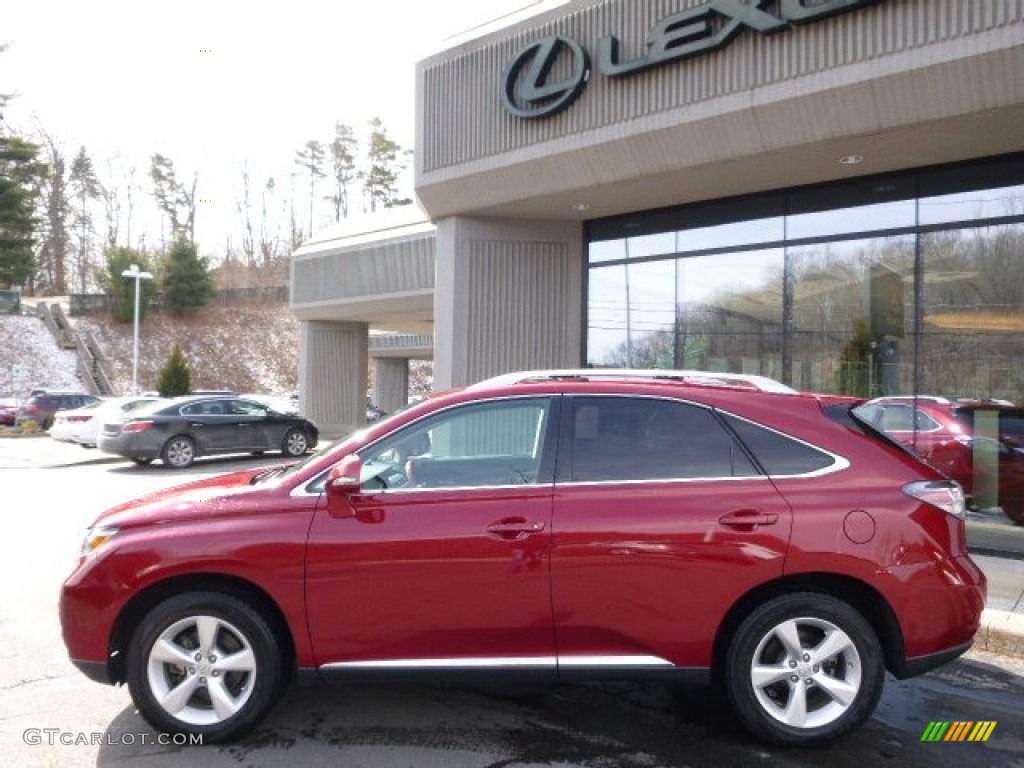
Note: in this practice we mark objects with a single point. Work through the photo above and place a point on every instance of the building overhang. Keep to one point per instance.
(946, 95)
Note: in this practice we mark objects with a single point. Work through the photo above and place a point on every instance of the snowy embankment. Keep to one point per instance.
(25, 343)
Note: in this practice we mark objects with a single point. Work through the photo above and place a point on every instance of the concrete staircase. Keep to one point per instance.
(93, 366)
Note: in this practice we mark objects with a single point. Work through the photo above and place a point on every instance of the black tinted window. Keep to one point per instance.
(777, 453)
(617, 438)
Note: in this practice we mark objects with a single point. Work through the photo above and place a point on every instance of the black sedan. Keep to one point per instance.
(188, 427)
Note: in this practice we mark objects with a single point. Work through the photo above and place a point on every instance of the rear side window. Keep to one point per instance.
(623, 438)
(779, 454)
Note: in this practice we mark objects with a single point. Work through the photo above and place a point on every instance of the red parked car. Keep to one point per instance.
(951, 435)
(572, 524)
(8, 410)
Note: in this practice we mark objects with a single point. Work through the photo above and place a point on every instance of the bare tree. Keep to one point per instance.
(244, 208)
(172, 197)
(54, 244)
(343, 165)
(311, 158)
(270, 231)
(85, 186)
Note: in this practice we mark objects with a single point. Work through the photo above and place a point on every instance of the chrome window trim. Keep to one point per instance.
(665, 480)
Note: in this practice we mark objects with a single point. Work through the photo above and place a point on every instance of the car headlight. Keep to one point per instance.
(96, 538)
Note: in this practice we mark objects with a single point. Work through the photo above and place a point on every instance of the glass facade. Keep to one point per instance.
(903, 285)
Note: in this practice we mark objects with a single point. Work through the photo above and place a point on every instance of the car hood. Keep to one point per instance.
(210, 497)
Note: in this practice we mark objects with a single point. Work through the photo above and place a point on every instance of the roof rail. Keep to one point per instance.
(703, 378)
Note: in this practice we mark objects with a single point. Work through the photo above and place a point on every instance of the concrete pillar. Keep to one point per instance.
(333, 362)
(508, 296)
(390, 382)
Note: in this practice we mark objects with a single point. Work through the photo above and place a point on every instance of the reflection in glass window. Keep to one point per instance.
(863, 218)
(661, 244)
(968, 206)
(852, 319)
(730, 312)
(606, 250)
(620, 439)
(606, 313)
(733, 234)
(972, 340)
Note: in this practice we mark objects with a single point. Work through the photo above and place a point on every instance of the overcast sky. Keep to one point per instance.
(216, 84)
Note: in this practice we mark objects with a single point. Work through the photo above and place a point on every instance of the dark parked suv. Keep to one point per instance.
(566, 524)
(41, 406)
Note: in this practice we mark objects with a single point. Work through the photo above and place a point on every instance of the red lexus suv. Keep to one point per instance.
(978, 443)
(568, 524)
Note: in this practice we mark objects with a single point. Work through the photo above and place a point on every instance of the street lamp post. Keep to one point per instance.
(137, 276)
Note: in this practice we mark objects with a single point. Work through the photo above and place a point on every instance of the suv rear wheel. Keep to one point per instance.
(204, 663)
(803, 669)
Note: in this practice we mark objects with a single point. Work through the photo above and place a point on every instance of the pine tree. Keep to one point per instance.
(380, 181)
(187, 283)
(122, 290)
(20, 172)
(175, 378)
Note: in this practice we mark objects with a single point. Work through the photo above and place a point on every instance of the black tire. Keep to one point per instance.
(179, 452)
(143, 462)
(838, 652)
(295, 442)
(1015, 511)
(242, 666)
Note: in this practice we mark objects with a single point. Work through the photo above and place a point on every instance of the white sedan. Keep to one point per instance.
(83, 425)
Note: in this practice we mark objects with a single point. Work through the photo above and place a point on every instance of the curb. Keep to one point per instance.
(1001, 632)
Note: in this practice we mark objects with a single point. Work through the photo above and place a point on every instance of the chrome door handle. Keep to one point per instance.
(514, 529)
(748, 518)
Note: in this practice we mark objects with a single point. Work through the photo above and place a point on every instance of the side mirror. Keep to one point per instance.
(342, 482)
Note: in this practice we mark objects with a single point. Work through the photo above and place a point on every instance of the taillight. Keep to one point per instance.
(137, 426)
(947, 495)
(78, 419)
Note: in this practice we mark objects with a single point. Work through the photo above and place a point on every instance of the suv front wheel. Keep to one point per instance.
(204, 664)
(803, 669)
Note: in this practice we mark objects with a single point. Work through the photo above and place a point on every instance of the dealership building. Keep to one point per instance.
(826, 192)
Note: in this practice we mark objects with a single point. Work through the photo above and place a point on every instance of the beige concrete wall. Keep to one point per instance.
(390, 383)
(333, 375)
(508, 297)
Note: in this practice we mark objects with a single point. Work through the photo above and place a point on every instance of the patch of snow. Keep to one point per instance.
(25, 342)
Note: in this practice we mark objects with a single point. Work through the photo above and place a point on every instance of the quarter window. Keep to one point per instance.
(620, 439)
(778, 454)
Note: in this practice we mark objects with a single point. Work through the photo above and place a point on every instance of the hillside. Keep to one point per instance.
(247, 348)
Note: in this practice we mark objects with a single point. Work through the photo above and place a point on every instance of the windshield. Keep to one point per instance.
(276, 473)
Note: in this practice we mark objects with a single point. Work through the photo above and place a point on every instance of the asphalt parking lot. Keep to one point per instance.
(52, 715)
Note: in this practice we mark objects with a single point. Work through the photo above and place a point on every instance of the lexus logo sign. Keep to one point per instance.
(527, 93)
(530, 94)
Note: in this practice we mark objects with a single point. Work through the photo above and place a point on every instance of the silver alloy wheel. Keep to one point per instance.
(179, 452)
(201, 670)
(296, 443)
(806, 672)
